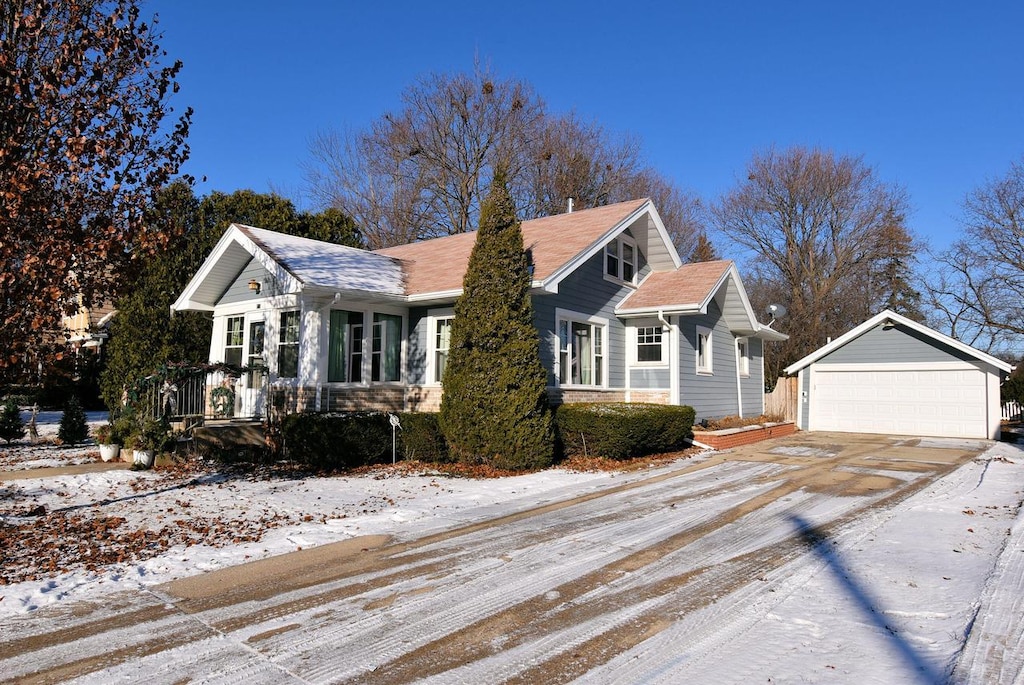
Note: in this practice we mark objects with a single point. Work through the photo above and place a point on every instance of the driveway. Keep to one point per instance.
(571, 589)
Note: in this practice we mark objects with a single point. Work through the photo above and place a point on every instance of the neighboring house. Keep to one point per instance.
(619, 317)
(89, 326)
(892, 375)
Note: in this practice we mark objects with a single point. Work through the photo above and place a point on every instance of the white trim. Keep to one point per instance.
(579, 317)
(633, 345)
(709, 368)
(433, 316)
(550, 284)
(898, 366)
(892, 316)
(673, 380)
(739, 375)
(744, 359)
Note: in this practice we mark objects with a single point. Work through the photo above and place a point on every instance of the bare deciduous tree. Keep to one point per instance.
(979, 291)
(815, 225)
(422, 171)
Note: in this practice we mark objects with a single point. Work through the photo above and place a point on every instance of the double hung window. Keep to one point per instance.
(620, 259)
(649, 344)
(743, 356)
(442, 342)
(233, 341)
(704, 362)
(288, 345)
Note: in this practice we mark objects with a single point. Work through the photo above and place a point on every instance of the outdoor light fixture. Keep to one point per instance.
(255, 286)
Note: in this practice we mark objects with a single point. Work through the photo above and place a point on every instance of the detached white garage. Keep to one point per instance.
(896, 376)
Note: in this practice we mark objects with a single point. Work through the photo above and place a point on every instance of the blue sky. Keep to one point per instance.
(930, 94)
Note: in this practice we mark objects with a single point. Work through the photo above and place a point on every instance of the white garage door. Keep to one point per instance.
(949, 403)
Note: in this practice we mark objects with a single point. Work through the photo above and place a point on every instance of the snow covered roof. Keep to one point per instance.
(295, 263)
(327, 265)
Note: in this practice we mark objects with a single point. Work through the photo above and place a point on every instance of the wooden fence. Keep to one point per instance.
(783, 401)
(1011, 411)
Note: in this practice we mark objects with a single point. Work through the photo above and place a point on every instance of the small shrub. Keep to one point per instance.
(73, 426)
(421, 438)
(622, 431)
(12, 427)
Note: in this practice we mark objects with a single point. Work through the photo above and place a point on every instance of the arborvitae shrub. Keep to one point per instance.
(421, 438)
(494, 409)
(622, 431)
(73, 426)
(12, 427)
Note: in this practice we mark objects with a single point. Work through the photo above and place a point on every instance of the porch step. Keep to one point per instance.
(229, 435)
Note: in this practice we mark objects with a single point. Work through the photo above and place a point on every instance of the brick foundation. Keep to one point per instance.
(735, 437)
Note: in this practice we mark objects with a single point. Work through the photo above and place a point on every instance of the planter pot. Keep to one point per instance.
(144, 457)
(109, 452)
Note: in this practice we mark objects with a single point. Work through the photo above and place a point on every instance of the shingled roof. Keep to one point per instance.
(688, 287)
(439, 265)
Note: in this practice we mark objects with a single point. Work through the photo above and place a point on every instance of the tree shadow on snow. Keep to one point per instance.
(817, 541)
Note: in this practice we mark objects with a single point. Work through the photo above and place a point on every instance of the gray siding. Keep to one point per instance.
(897, 344)
(239, 291)
(752, 387)
(649, 379)
(711, 396)
(585, 291)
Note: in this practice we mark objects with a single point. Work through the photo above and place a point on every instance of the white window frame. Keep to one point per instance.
(434, 318)
(281, 344)
(615, 250)
(597, 322)
(240, 346)
(743, 357)
(705, 366)
(635, 337)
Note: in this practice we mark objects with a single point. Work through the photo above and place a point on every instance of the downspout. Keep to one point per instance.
(739, 381)
(673, 357)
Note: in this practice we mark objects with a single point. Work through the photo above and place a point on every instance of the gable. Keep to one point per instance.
(915, 335)
(894, 343)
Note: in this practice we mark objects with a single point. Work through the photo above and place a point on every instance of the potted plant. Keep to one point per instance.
(109, 441)
(152, 436)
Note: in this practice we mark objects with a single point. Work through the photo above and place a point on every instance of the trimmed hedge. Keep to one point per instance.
(622, 431)
(344, 441)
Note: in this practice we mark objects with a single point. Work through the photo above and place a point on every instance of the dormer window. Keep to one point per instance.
(620, 259)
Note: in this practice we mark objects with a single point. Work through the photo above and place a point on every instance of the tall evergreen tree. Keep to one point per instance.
(495, 409)
(704, 250)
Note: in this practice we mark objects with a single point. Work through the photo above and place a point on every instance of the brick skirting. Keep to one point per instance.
(735, 437)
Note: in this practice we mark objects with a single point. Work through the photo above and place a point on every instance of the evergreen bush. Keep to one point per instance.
(331, 441)
(421, 438)
(494, 409)
(12, 427)
(622, 431)
(1012, 389)
(73, 426)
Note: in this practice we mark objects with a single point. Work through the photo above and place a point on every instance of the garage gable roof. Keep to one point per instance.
(891, 316)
